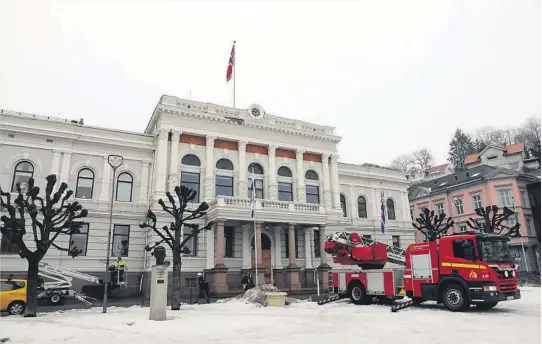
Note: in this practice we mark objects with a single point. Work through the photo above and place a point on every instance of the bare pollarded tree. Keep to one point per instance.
(431, 225)
(493, 222)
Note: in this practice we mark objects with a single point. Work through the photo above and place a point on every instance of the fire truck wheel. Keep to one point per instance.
(356, 291)
(455, 298)
(55, 299)
(486, 305)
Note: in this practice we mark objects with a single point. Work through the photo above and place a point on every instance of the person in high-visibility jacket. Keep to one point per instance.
(121, 267)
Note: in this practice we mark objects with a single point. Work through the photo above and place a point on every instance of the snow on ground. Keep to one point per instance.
(303, 322)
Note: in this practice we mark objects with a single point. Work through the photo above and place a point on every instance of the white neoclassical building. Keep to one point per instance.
(303, 192)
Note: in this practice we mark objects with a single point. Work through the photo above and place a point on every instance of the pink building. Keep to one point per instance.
(459, 194)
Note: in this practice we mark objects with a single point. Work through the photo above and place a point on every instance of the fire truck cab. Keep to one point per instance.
(461, 269)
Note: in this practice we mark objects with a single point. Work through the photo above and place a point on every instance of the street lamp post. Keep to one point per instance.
(115, 161)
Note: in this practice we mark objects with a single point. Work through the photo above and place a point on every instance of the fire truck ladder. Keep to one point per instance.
(396, 255)
(61, 282)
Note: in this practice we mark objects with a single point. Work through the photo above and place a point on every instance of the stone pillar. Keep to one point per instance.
(272, 173)
(161, 163)
(209, 168)
(300, 177)
(55, 163)
(308, 250)
(335, 186)
(324, 267)
(173, 179)
(65, 168)
(106, 181)
(258, 243)
(210, 249)
(144, 185)
(292, 269)
(220, 283)
(278, 247)
(327, 182)
(246, 259)
(242, 184)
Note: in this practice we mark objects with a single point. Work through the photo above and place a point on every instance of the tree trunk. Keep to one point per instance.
(176, 289)
(32, 287)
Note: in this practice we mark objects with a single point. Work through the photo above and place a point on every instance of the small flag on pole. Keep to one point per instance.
(231, 64)
(252, 195)
(382, 214)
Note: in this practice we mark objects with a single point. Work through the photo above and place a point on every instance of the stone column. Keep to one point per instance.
(161, 163)
(55, 163)
(144, 185)
(327, 182)
(292, 269)
(220, 283)
(65, 168)
(242, 184)
(300, 177)
(173, 179)
(209, 168)
(258, 248)
(246, 247)
(210, 249)
(308, 250)
(272, 172)
(335, 186)
(106, 180)
(324, 267)
(278, 247)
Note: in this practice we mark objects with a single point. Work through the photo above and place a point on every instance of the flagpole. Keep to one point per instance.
(234, 68)
(525, 262)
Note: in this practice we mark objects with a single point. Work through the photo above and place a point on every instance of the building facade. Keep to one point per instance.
(303, 192)
(459, 194)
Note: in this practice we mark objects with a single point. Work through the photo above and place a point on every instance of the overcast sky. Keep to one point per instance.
(391, 76)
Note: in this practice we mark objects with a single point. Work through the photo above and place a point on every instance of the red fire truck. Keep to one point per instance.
(457, 270)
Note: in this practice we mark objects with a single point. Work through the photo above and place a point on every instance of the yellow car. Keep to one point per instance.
(12, 295)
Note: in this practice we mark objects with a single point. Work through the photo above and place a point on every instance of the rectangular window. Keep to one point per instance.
(459, 206)
(79, 241)
(7, 247)
(505, 197)
(316, 240)
(477, 202)
(191, 180)
(224, 186)
(229, 239)
(530, 229)
(440, 208)
(285, 192)
(192, 243)
(462, 227)
(121, 241)
(287, 244)
(84, 188)
(313, 194)
(258, 190)
(396, 240)
(367, 236)
(523, 196)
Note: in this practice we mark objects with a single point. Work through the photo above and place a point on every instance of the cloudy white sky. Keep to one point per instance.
(391, 76)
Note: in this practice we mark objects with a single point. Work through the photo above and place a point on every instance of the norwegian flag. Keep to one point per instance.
(382, 215)
(231, 63)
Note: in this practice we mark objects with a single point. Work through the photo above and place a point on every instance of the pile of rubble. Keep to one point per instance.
(257, 296)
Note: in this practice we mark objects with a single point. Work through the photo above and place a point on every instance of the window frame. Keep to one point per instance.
(475, 201)
(131, 182)
(229, 242)
(17, 171)
(508, 197)
(342, 201)
(398, 237)
(191, 244)
(394, 217)
(188, 184)
(362, 207)
(314, 192)
(458, 204)
(127, 248)
(7, 247)
(439, 207)
(84, 178)
(282, 192)
(84, 253)
(232, 186)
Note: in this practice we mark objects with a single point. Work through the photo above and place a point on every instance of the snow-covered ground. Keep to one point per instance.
(304, 322)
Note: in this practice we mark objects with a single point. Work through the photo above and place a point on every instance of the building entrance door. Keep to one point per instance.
(266, 258)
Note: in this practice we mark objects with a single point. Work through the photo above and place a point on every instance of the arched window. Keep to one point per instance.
(362, 207)
(255, 173)
(391, 209)
(24, 170)
(224, 164)
(284, 185)
(284, 172)
(191, 160)
(85, 184)
(224, 182)
(343, 205)
(311, 175)
(312, 191)
(125, 184)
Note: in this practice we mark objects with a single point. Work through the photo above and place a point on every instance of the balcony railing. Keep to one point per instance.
(265, 210)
